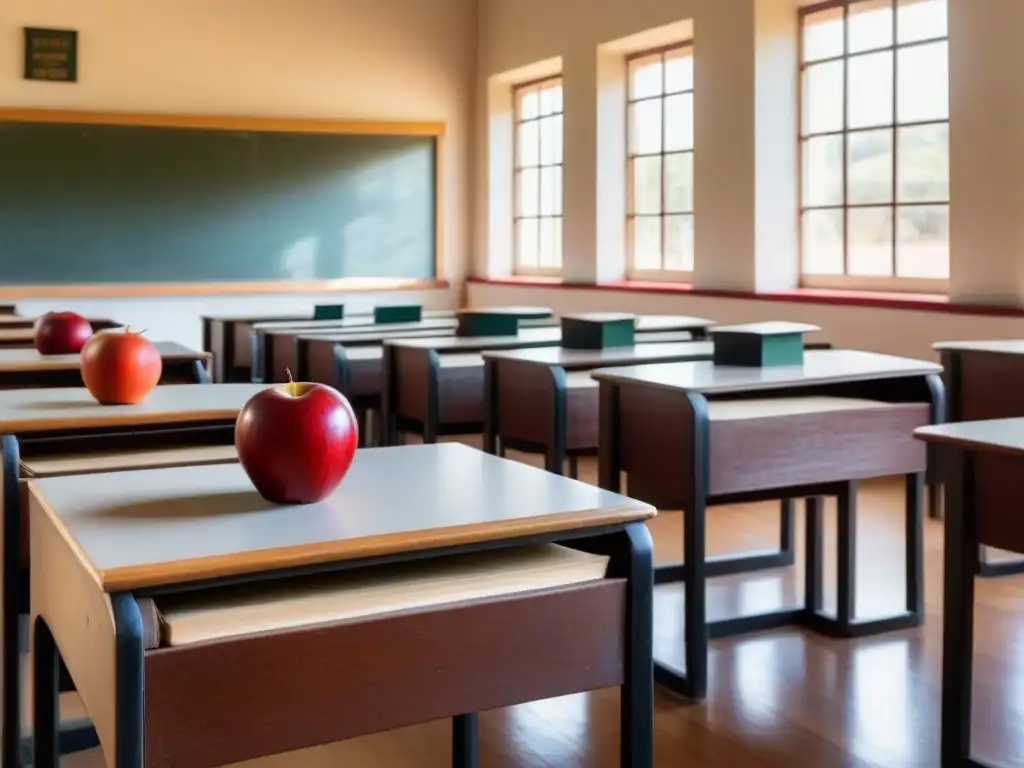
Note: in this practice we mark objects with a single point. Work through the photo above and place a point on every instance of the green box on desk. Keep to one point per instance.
(329, 312)
(484, 323)
(598, 330)
(760, 345)
(398, 313)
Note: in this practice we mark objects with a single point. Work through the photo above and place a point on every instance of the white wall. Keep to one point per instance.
(341, 59)
(745, 137)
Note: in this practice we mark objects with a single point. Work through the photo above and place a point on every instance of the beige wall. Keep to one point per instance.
(344, 59)
(745, 137)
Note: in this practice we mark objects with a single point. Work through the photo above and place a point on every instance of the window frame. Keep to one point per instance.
(632, 271)
(517, 120)
(886, 283)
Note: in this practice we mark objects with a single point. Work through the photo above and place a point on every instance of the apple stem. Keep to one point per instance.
(292, 389)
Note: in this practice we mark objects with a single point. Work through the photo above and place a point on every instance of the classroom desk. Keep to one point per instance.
(15, 335)
(20, 368)
(435, 386)
(222, 336)
(276, 348)
(984, 467)
(48, 431)
(693, 435)
(984, 380)
(474, 583)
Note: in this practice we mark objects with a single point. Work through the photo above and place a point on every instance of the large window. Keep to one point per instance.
(538, 177)
(660, 158)
(875, 144)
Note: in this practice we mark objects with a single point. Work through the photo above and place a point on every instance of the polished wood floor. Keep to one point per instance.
(780, 699)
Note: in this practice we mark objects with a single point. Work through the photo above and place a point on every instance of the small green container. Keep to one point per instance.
(329, 312)
(598, 330)
(484, 323)
(760, 345)
(398, 313)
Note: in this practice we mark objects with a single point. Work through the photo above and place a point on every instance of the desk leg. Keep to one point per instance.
(464, 741)
(201, 374)
(10, 463)
(637, 692)
(961, 555)
(130, 700)
(914, 537)
(45, 712)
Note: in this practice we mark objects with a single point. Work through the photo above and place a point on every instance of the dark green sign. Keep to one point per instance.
(51, 54)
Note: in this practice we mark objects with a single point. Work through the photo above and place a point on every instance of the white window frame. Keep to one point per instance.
(632, 271)
(519, 91)
(887, 283)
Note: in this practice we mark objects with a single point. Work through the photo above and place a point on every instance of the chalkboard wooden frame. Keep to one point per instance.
(435, 130)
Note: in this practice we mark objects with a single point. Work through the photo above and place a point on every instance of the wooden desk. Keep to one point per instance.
(21, 368)
(984, 466)
(41, 426)
(984, 380)
(275, 348)
(435, 386)
(693, 435)
(106, 555)
(223, 335)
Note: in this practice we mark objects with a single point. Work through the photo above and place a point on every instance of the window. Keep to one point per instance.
(659, 135)
(875, 144)
(538, 177)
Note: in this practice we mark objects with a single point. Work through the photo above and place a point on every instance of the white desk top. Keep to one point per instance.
(824, 366)
(593, 358)
(170, 525)
(989, 436)
(40, 410)
(356, 321)
(997, 346)
(19, 360)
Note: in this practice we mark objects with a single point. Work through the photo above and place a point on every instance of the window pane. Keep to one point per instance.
(679, 183)
(823, 97)
(528, 183)
(921, 20)
(647, 185)
(869, 168)
(647, 242)
(645, 77)
(549, 242)
(679, 70)
(870, 241)
(870, 25)
(922, 241)
(551, 191)
(679, 243)
(645, 123)
(550, 140)
(823, 171)
(823, 242)
(922, 163)
(869, 99)
(550, 99)
(823, 34)
(679, 122)
(529, 103)
(526, 242)
(923, 87)
(528, 151)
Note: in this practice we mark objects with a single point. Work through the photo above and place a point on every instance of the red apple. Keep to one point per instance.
(61, 333)
(296, 441)
(120, 367)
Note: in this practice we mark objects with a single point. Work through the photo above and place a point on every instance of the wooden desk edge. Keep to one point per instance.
(145, 419)
(235, 564)
(938, 434)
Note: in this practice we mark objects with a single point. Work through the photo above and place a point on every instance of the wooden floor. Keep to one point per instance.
(783, 699)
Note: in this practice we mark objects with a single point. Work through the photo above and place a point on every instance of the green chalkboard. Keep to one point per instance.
(97, 204)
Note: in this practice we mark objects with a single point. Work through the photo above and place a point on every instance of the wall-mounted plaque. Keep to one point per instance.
(51, 54)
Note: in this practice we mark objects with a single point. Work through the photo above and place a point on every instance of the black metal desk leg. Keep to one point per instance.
(637, 692)
(846, 564)
(464, 741)
(695, 630)
(961, 556)
(814, 556)
(914, 536)
(46, 703)
(129, 683)
(12, 589)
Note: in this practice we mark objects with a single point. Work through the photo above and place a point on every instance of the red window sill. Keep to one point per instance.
(924, 302)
